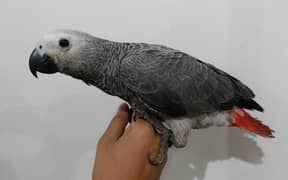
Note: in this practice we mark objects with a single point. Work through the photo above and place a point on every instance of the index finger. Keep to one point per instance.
(117, 124)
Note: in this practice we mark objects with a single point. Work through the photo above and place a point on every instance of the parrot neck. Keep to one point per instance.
(98, 64)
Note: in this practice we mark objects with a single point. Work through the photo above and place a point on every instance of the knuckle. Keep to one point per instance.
(145, 127)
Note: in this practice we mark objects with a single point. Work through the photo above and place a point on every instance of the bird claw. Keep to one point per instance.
(164, 142)
(131, 115)
(157, 161)
(163, 132)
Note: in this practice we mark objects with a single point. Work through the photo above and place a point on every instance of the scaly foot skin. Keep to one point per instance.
(164, 138)
(164, 133)
(132, 116)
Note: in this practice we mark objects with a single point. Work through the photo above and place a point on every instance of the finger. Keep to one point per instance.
(144, 126)
(140, 131)
(117, 124)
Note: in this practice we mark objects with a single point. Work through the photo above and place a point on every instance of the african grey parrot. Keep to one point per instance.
(172, 90)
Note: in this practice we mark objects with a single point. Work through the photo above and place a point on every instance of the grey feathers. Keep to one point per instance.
(177, 84)
(150, 77)
(170, 89)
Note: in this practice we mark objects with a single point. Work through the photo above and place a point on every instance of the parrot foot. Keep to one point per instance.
(131, 115)
(160, 129)
(164, 141)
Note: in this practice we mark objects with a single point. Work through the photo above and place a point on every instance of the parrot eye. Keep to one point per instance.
(64, 43)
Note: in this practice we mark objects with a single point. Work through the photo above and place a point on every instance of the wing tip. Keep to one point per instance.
(250, 104)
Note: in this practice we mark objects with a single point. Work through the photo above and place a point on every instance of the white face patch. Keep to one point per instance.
(51, 46)
(48, 45)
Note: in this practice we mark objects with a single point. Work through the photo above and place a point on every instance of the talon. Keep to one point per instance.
(157, 161)
(164, 141)
(130, 113)
(164, 134)
(170, 143)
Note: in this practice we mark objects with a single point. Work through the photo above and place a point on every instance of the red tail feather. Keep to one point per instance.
(246, 121)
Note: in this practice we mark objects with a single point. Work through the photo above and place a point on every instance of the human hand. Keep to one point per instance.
(122, 153)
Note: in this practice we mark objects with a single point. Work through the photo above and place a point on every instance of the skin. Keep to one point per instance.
(122, 152)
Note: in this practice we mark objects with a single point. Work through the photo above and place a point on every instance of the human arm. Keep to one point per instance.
(122, 153)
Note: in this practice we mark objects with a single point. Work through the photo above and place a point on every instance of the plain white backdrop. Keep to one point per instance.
(49, 127)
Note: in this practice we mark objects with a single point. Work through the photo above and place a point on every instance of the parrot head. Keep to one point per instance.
(58, 51)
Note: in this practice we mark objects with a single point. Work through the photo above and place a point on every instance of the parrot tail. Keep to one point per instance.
(245, 121)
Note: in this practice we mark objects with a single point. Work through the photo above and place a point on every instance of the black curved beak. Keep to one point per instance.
(41, 63)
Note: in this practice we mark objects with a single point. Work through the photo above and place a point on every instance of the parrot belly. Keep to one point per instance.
(236, 117)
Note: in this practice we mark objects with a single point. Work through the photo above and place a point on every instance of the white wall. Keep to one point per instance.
(49, 127)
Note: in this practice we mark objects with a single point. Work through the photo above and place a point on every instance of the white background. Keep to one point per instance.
(49, 127)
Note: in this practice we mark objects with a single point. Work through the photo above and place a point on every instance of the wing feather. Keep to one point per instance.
(176, 84)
